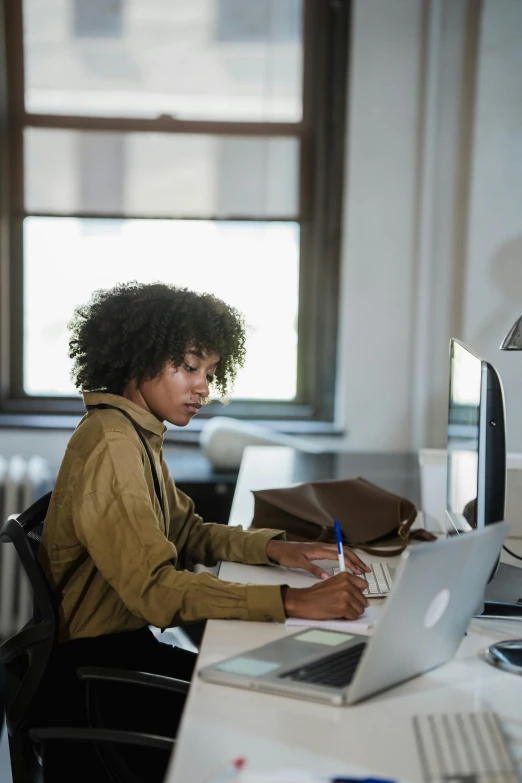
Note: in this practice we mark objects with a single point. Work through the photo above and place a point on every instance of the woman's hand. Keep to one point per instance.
(340, 596)
(297, 555)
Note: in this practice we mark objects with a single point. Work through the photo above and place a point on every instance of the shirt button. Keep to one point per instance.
(268, 618)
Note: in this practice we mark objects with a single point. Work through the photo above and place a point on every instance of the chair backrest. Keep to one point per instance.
(26, 654)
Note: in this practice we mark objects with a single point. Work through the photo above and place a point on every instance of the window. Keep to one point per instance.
(197, 142)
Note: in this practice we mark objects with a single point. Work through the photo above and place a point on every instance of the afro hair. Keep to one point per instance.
(131, 331)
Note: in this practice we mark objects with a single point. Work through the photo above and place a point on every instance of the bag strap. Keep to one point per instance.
(157, 488)
(403, 531)
(421, 534)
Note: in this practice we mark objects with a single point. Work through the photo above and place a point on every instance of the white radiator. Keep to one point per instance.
(22, 481)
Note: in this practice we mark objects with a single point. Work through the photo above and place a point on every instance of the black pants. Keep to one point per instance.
(61, 702)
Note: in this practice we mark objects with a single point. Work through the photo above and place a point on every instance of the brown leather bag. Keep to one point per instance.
(368, 515)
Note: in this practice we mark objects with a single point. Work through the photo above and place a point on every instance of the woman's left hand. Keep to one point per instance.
(300, 555)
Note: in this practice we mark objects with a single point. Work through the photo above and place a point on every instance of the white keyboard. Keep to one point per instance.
(463, 748)
(379, 580)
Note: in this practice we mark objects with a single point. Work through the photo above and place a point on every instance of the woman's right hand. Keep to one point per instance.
(338, 596)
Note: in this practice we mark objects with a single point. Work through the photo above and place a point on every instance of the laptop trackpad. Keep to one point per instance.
(251, 667)
(331, 638)
(289, 651)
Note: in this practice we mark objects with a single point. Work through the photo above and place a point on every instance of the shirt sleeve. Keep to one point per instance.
(208, 542)
(115, 521)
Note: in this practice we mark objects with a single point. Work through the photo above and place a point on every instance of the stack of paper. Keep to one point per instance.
(298, 776)
(364, 625)
(282, 776)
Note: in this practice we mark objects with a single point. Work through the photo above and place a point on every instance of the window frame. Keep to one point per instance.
(322, 136)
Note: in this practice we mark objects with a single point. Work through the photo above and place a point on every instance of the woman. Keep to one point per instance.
(120, 538)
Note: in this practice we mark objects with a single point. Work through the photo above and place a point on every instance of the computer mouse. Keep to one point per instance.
(506, 655)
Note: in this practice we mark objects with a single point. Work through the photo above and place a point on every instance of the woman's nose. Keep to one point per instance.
(201, 386)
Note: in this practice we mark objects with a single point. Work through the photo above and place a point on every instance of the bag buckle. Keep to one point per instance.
(403, 532)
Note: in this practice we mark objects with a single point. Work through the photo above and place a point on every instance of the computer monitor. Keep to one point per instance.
(476, 483)
(476, 477)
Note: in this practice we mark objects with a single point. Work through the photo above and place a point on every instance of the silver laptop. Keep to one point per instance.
(437, 587)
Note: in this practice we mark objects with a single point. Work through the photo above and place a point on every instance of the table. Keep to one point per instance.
(221, 723)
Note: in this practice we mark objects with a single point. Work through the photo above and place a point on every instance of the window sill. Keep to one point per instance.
(188, 434)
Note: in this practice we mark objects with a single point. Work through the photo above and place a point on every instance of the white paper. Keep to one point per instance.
(284, 776)
(364, 625)
(295, 776)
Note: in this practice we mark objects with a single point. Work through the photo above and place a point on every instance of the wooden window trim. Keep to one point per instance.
(322, 136)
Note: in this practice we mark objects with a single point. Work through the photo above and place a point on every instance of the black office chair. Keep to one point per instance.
(25, 657)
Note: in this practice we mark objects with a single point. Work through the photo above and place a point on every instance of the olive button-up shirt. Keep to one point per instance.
(111, 560)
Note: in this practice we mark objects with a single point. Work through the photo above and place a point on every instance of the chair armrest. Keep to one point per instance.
(102, 674)
(102, 735)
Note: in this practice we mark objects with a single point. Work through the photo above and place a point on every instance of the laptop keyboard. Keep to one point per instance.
(336, 670)
(379, 580)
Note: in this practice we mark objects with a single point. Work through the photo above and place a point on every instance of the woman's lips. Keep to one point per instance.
(193, 407)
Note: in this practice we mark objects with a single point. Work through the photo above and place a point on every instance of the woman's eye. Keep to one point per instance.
(190, 368)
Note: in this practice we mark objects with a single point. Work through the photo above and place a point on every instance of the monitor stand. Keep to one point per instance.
(503, 596)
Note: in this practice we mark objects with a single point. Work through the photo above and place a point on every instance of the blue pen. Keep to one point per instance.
(339, 541)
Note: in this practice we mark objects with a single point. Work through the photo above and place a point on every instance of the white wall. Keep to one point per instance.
(433, 227)
(378, 285)
(493, 289)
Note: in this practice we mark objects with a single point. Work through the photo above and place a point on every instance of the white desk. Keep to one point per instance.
(221, 723)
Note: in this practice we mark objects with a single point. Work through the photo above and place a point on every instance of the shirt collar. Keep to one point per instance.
(142, 417)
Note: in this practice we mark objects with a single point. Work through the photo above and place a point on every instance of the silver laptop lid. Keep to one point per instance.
(429, 609)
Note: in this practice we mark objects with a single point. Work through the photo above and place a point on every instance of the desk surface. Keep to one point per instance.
(221, 723)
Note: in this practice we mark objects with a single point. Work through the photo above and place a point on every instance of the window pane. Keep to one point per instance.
(156, 174)
(191, 59)
(252, 266)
